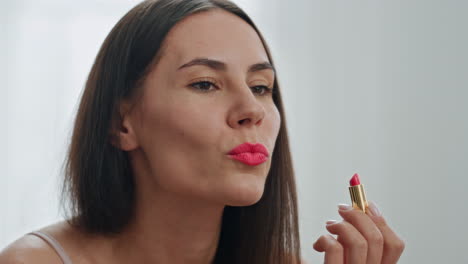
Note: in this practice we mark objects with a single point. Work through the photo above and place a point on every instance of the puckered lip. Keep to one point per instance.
(249, 147)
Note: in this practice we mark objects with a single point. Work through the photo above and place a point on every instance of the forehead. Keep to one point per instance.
(216, 34)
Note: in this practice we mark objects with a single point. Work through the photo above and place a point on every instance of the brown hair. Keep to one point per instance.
(98, 182)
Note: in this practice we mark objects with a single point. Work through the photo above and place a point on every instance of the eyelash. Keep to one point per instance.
(267, 89)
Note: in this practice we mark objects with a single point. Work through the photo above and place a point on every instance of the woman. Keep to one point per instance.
(159, 169)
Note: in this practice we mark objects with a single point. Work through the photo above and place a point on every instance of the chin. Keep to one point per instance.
(245, 194)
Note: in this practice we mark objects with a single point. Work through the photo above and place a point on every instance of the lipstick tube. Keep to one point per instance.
(358, 196)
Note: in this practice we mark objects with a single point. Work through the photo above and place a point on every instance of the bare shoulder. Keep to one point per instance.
(28, 249)
(78, 245)
(32, 249)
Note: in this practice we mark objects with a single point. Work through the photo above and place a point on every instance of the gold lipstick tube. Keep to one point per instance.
(358, 197)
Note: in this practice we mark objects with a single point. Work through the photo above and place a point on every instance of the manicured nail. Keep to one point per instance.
(329, 222)
(373, 209)
(344, 207)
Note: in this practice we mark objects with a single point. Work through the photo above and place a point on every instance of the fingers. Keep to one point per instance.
(368, 229)
(393, 244)
(362, 238)
(354, 243)
(332, 248)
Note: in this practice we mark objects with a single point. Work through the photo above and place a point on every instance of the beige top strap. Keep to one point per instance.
(55, 245)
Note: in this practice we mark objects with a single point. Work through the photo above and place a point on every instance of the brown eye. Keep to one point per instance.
(202, 86)
(265, 89)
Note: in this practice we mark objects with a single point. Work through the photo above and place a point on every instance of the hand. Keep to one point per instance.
(363, 238)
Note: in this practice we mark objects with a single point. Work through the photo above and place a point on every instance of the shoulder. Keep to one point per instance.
(29, 249)
(32, 249)
(79, 246)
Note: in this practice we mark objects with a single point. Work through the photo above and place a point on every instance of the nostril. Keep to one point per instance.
(244, 120)
(248, 120)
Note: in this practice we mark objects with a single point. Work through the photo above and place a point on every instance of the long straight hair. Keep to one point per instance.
(98, 192)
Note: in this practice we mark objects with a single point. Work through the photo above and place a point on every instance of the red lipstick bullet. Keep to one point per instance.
(358, 196)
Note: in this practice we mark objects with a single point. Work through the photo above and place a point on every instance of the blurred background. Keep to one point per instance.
(374, 87)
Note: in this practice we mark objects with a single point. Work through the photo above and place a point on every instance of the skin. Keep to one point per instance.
(178, 137)
(361, 238)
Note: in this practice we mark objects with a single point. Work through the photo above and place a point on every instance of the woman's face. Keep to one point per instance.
(185, 130)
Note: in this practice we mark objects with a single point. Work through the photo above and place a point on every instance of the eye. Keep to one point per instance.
(266, 90)
(202, 86)
(205, 86)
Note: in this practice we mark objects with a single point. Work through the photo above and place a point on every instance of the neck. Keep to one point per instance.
(170, 229)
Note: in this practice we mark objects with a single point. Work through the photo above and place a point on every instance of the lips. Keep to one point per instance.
(250, 154)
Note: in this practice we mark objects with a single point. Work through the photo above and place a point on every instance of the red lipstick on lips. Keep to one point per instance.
(356, 190)
(250, 154)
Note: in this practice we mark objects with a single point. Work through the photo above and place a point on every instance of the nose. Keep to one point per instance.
(247, 110)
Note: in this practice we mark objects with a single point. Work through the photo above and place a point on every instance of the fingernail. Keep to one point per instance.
(344, 207)
(373, 209)
(329, 222)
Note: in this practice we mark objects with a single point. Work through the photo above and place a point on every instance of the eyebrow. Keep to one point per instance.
(221, 66)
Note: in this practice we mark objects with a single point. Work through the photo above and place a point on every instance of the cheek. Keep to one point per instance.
(273, 122)
(179, 115)
(176, 137)
(194, 123)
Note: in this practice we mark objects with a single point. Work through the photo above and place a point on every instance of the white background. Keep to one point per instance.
(374, 87)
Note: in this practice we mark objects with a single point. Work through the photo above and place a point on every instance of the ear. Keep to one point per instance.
(123, 133)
